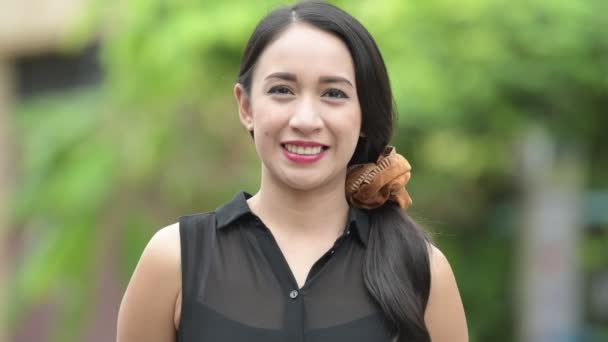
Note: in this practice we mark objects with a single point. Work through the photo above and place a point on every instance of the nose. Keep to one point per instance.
(306, 117)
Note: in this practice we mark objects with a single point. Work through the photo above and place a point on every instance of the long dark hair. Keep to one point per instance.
(396, 269)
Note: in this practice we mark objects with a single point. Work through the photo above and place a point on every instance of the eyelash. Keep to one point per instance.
(342, 95)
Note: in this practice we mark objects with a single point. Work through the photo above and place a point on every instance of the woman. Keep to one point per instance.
(323, 251)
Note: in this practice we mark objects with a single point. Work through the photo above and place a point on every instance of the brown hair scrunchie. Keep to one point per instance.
(370, 185)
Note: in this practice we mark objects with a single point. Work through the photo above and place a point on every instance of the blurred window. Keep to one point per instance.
(55, 71)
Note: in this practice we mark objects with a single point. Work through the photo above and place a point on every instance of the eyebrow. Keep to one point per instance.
(323, 79)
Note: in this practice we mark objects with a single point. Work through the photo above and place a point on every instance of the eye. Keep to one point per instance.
(337, 93)
(281, 90)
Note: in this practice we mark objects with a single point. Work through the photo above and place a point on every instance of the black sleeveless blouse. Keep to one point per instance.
(238, 287)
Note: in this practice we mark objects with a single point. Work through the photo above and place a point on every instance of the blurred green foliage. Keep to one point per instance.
(160, 137)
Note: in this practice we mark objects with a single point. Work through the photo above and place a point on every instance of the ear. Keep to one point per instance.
(244, 105)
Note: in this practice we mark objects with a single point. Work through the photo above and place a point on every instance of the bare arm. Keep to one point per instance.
(148, 306)
(444, 316)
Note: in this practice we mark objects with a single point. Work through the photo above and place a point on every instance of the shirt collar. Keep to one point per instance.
(358, 219)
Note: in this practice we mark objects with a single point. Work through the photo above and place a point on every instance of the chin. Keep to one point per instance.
(303, 185)
(302, 179)
(307, 182)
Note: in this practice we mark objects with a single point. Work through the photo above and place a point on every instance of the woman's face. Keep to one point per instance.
(303, 108)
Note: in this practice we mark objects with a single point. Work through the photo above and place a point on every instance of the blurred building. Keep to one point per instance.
(31, 62)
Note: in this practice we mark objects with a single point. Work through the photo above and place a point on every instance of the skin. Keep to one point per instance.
(310, 197)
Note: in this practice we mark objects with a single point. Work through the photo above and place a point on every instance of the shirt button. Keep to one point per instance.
(348, 232)
(293, 294)
(332, 252)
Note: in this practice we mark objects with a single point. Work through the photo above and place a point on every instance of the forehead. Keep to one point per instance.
(306, 51)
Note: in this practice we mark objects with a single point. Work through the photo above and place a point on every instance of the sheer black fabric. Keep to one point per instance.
(237, 285)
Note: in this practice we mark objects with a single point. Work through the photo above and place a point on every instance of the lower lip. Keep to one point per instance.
(303, 158)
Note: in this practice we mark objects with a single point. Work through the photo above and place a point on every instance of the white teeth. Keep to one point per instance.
(303, 150)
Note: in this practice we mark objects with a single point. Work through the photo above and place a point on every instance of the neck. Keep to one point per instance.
(321, 211)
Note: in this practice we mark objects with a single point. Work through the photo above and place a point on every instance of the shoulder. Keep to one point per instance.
(161, 256)
(162, 253)
(148, 305)
(168, 234)
(444, 315)
(440, 266)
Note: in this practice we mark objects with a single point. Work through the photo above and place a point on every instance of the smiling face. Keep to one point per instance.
(303, 108)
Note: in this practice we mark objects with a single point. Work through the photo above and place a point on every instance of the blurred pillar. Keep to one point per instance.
(6, 173)
(550, 289)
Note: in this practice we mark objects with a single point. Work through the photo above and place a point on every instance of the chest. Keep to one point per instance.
(251, 290)
(298, 257)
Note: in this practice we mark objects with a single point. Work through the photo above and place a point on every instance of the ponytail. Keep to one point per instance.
(396, 271)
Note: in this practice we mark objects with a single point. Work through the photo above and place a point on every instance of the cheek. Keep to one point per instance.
(353, 120)
(268, 122)
(353, 114)
(264, 118)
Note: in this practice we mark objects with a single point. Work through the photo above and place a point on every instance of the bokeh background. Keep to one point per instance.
(116, 117)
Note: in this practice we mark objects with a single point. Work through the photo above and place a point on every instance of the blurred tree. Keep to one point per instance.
(161, 137)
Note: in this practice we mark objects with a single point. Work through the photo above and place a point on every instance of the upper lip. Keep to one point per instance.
(303, 143)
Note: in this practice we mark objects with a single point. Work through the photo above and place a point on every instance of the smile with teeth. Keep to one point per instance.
(309, 150)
